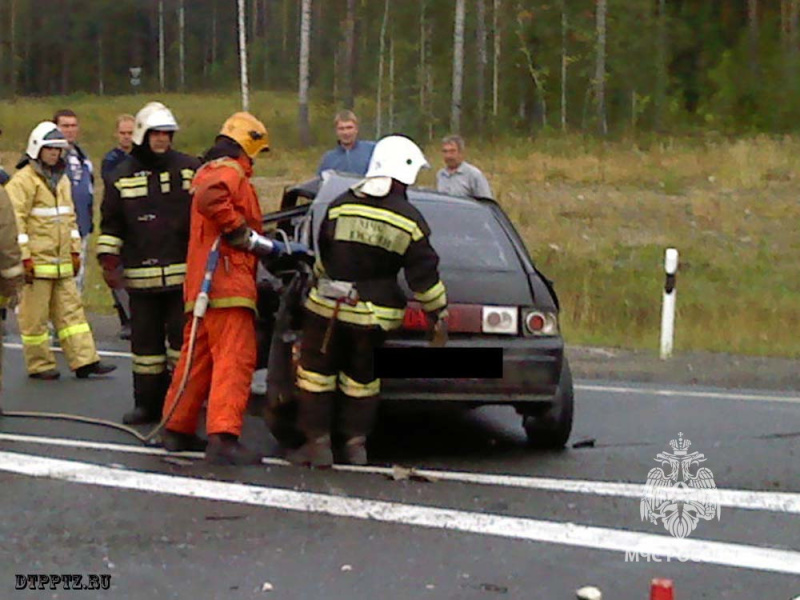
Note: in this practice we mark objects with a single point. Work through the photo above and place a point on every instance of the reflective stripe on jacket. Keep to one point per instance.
(145, 219)
(223, 200)
(47, 230)
(367, 241)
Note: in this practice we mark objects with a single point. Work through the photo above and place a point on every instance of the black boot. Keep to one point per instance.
(355, 451)
(48, 375)
(356, 421)
(95, 368)
(176, 441)
(225, 449)
(141, 416)
(315, 453)
(314, 413)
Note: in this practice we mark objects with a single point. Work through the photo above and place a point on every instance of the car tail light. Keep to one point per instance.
(461, 318)
(500, 319)
(541, 323)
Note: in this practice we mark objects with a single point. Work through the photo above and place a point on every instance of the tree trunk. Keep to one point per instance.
(423, 64)
(600, 68)
(482, 61)
(100, 82)
(381, 60)
(305, 48)
(391, 81)
(15, 62)
(752, 21)
(349, 70)
(661, 65)
(458, 67)
(182, 46)
(497, 34)
(161, 45)
(214, 29)
(564, 61)
(243, 57)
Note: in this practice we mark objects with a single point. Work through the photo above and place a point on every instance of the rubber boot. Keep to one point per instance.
(225, 449)
(95, 368)
(356, 421)
(355, 451)
(176, 441)
(315, 453)
(314, 413)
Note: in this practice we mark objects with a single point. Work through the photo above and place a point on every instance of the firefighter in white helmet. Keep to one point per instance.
(368, 235)
(144, 235)
(50, 244)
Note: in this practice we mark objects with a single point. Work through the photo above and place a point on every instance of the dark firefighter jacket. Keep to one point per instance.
(366, 241)
(145, 218)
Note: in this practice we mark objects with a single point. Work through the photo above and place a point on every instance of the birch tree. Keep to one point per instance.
(350, 55)
(458, 67)
(182, 46)
(497, 38)
(564, 64)
(305, 47)
(381, 60)
(600, 68)
(161, 45)
(482, 59)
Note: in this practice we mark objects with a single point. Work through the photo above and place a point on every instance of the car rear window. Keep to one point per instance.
(467, 237)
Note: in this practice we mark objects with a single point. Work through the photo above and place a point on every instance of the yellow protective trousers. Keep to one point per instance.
(55, 300)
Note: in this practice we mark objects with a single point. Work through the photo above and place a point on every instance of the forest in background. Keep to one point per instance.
(491, 67)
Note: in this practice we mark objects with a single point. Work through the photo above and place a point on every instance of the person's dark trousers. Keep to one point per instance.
(157, 320)
(347, 366)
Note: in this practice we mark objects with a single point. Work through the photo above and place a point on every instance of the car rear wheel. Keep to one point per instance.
(550, 430)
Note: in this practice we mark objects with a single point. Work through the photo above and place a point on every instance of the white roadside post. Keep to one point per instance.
(668, 307)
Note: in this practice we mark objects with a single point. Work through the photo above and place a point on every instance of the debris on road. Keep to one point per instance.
(405, 474)
(585, 443)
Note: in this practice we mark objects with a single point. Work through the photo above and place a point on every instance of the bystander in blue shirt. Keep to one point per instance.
(352, 160)
(111, 161)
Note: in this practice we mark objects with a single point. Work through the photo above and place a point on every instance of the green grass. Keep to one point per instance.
(595, 215)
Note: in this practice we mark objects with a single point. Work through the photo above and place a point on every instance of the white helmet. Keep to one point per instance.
(394, 157)
(155, 116)
(45, 134)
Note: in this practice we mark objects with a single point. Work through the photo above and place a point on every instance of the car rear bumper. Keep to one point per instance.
(531, 370)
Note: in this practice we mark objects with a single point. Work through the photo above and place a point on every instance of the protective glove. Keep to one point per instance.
(76, 263)
(439, 335)
(28, 266)
(112, 270)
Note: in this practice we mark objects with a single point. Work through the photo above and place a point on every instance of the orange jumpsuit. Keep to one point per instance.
(225, 350)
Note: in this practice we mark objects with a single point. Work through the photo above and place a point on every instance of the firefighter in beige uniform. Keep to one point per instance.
(10, 262)
(50, 245)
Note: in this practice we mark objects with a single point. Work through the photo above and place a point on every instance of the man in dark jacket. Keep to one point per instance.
(145, 230)
(368, 235)
(81, 175)
(115, 157)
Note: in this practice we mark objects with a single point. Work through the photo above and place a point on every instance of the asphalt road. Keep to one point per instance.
(492, 520)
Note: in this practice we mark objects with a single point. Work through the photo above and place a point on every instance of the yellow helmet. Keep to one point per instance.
(248, 132)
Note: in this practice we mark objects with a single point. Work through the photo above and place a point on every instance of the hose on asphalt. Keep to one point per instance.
(198, 312)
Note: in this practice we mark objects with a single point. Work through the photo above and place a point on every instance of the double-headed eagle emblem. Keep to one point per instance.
(676, 495)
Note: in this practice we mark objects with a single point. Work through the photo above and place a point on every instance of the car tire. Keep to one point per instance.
(551, 429)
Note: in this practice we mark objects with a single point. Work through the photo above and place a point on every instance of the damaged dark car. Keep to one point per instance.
(497, 299)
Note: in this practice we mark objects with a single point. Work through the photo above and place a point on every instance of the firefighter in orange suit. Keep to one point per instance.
(224, 204)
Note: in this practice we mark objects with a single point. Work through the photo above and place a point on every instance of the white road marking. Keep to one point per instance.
(683, 393)
(582, 387)
(781, 502)
(570, 534)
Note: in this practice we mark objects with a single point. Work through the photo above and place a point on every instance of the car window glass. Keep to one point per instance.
(468, 237)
